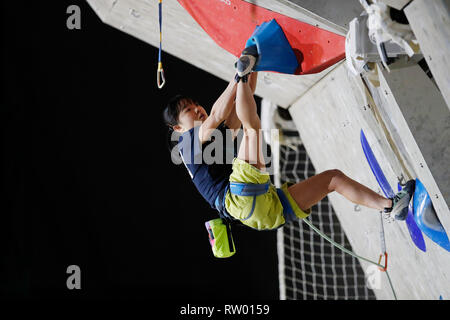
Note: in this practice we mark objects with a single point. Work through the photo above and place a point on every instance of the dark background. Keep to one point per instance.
(87, 178)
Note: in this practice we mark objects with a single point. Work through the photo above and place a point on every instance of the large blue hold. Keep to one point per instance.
(414, 231)
(275, 52)
(426, 218)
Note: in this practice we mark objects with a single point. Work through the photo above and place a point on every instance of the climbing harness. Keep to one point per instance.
(160, 71)
(219, 230)
(246, 189)
(252, 190)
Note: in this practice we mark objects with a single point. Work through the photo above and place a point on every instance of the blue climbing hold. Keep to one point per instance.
(426, 218)
(275, 52)
(414, 231)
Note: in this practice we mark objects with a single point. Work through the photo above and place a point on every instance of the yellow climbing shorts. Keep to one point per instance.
(268, 212)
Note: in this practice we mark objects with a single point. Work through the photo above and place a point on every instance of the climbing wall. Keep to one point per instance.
(329, 118)
(310, 268)
(185, 39)
(330, 108)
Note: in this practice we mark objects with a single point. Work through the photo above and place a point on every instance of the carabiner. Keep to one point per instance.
(385, 261)
(160, 75)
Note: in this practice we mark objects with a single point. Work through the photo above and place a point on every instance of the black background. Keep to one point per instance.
(87, 178)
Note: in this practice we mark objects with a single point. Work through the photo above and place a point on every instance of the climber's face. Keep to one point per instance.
(191, 114)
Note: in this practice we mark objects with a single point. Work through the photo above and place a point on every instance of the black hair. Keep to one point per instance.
(171, 113)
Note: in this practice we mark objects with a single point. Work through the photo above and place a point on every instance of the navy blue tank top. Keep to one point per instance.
(209, 164)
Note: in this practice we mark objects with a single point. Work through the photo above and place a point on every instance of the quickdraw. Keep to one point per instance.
(385, 261)
(383, 246)
(160, 71)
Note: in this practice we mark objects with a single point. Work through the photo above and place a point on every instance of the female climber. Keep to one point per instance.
(240, 188)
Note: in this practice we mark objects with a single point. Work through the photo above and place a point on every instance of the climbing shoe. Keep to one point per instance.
(243, 78)
(247, 61)
(401, 201)
(250, 50)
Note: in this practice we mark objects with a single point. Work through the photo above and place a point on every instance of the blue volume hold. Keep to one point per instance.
(275, 52)
(426, 218)
(377, 172)
(414, 231)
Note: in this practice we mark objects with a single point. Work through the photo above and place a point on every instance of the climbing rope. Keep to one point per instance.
(342, 248)
(160, 71)
(385, 130)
